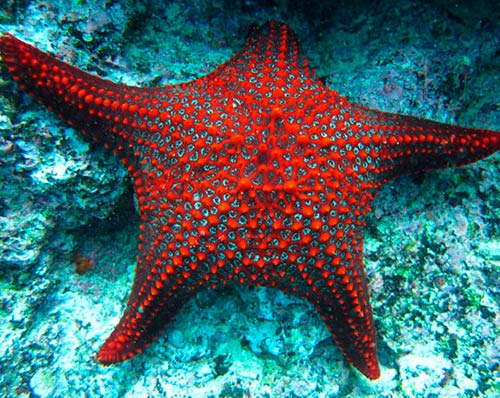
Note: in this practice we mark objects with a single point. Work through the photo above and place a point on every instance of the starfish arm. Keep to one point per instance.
(340, 294)
(270, 53)
(97, 107)
(405, 145)
(152, 305)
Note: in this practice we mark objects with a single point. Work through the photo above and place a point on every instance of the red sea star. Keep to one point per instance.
(256, 173)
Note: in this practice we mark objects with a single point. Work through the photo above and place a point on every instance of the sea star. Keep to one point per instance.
(256, 173)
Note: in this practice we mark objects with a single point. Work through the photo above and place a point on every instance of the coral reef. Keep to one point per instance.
(432, 244)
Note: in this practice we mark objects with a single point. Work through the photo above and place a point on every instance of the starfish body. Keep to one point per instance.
(256, 174)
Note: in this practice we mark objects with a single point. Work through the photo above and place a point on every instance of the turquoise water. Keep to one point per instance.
(432, 244)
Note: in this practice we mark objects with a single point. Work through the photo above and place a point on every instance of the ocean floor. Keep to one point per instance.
(69, 228)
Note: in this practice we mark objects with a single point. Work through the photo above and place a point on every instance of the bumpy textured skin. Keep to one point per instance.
(256, 173)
